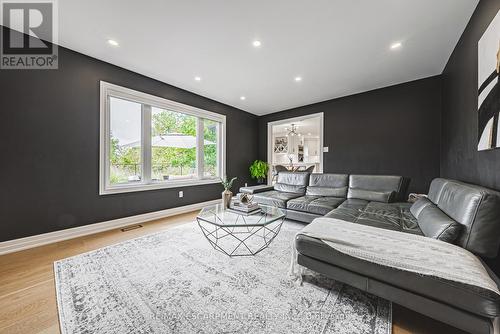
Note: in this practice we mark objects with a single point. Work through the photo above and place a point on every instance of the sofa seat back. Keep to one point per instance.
(476, 208)
(290, 182)
(328, 185)
(378, 188)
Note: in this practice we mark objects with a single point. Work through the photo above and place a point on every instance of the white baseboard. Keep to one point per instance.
(16, 245)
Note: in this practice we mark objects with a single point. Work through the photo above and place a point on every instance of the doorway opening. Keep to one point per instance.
(295, 144)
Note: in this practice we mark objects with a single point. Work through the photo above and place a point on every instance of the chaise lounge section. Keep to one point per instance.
(454, 212)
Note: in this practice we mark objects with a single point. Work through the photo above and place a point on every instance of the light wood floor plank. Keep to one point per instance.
(27, 291)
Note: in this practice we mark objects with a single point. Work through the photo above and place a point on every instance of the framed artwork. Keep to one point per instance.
(280, 144)
(489, 87)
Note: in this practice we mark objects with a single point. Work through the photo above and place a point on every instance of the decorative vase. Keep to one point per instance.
(226, 198)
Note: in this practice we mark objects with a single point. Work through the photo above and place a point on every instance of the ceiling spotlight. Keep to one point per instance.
(256, 43)
(197, 78)
(298, 79)
(242, 98)
(396, 45)
(113, 42)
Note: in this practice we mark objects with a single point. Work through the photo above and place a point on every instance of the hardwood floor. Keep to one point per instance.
(27, 291)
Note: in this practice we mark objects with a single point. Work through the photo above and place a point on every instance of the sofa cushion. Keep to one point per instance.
(382, 188)
(434, 223)
(436, 188)
(290, 188)
(274, 198)
(354, 203)
(326, 191)
(292, 182)
(323, 205)
(476, 208)
(458, 295)
(314, 204)
(333, 185)
(419, 205)
(391, 216)
(300, 203)
(370, 195)
(347, 213)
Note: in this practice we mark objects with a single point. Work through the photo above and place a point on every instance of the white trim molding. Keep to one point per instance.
(16, 245)
(270, 143)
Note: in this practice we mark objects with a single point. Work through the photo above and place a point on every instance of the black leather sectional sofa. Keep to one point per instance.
(309, 196)
(463, 214)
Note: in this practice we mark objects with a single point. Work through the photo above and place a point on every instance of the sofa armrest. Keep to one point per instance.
(256, 189)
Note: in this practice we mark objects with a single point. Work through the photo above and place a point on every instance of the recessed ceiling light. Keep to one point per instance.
(298, 79)
(113, 42)
(396, 45)
(256, 43)
(243, 98)
(197, 78)
(308, 133)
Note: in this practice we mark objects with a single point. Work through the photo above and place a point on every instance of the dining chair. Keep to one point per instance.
(310, 169)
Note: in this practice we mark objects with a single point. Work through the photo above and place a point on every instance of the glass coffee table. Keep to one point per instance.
(240, 234)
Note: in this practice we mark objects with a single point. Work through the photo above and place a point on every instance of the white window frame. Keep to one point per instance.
(147, 101)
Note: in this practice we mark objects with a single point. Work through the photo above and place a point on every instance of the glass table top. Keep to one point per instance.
(218, 215)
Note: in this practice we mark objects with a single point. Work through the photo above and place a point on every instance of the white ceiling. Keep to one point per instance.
(338, 47)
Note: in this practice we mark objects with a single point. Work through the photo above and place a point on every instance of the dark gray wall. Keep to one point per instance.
(459, 156)
(49, 144)
(393, 130)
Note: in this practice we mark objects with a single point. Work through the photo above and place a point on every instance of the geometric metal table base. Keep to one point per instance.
(241, 240)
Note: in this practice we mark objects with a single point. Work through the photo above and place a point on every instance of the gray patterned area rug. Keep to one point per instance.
(175, 282)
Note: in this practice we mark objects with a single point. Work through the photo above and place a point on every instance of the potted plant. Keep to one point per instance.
(258, 170)
(227, 194)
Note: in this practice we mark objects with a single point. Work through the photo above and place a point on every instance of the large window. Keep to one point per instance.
(149, 143)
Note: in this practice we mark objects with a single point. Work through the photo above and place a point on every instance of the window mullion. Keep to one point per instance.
(220, 167)
(107, 143)
(200, 165)
(146, 143)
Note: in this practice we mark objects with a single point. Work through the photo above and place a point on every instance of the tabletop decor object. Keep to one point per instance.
(227, 194)
(243, 203)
